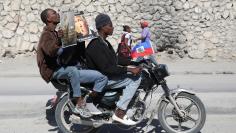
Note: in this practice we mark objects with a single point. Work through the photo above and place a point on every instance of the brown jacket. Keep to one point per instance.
(47, 53)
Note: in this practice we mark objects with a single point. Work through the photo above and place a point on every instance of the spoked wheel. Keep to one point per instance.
(193, 110)
(136, 113)
(63, 116)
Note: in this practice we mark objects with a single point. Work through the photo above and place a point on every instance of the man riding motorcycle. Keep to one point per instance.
(101, 56)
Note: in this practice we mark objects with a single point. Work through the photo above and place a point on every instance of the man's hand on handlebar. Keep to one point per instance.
(135, 71)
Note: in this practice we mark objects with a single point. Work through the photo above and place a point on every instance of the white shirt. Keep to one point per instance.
(129, 37)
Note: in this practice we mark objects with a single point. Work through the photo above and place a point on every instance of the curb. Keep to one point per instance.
(203, 73)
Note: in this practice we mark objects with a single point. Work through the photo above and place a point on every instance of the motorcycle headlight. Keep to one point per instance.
(161, 71)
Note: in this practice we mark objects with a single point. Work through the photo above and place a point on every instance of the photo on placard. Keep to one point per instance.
(75, 28)
(83, 30)
(81, 26)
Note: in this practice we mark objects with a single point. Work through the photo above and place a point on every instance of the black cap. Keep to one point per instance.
(102, 20)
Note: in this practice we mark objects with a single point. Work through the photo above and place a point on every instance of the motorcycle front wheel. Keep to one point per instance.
(194, 114)
(63, 116)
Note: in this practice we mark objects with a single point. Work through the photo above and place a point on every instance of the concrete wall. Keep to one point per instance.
(190, 28)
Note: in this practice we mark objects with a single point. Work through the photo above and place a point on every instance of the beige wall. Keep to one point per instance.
(191, 28)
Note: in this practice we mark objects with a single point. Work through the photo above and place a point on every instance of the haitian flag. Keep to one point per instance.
(142, 49)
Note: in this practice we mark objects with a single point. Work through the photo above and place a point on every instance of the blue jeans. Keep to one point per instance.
(76, 76)
(131, 84)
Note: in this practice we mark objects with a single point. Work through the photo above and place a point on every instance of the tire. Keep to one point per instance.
(62, 115)
(195, 102)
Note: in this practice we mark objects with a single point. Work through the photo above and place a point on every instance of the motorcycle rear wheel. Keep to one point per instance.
(193, 120)
(62, 116)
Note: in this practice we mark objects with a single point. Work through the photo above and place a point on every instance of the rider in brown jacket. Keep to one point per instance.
(48, 51)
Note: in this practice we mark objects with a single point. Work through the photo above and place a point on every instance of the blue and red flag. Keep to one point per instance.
(142, 49)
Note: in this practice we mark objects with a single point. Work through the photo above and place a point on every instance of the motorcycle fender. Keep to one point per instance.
(176, 92)
(60, 96)
(70, 103)
(64, 94)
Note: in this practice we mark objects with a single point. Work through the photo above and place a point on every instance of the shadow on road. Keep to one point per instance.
(154, 127)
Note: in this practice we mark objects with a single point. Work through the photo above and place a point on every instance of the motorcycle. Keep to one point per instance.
(178, 110)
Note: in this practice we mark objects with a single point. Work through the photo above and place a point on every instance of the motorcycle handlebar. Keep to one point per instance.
(146, 63)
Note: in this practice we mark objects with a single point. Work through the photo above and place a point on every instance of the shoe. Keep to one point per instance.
(125, 120)
(93, 109)
(121, 117)
(82, 111)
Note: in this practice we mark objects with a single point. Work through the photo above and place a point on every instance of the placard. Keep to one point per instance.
(75, 28)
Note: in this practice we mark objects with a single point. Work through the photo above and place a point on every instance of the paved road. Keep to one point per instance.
(23, 99)
(34, 85)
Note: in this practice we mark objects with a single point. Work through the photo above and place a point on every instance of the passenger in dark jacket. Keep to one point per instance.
(101, 56)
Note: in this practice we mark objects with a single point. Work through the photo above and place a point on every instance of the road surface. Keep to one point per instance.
(23, 99)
